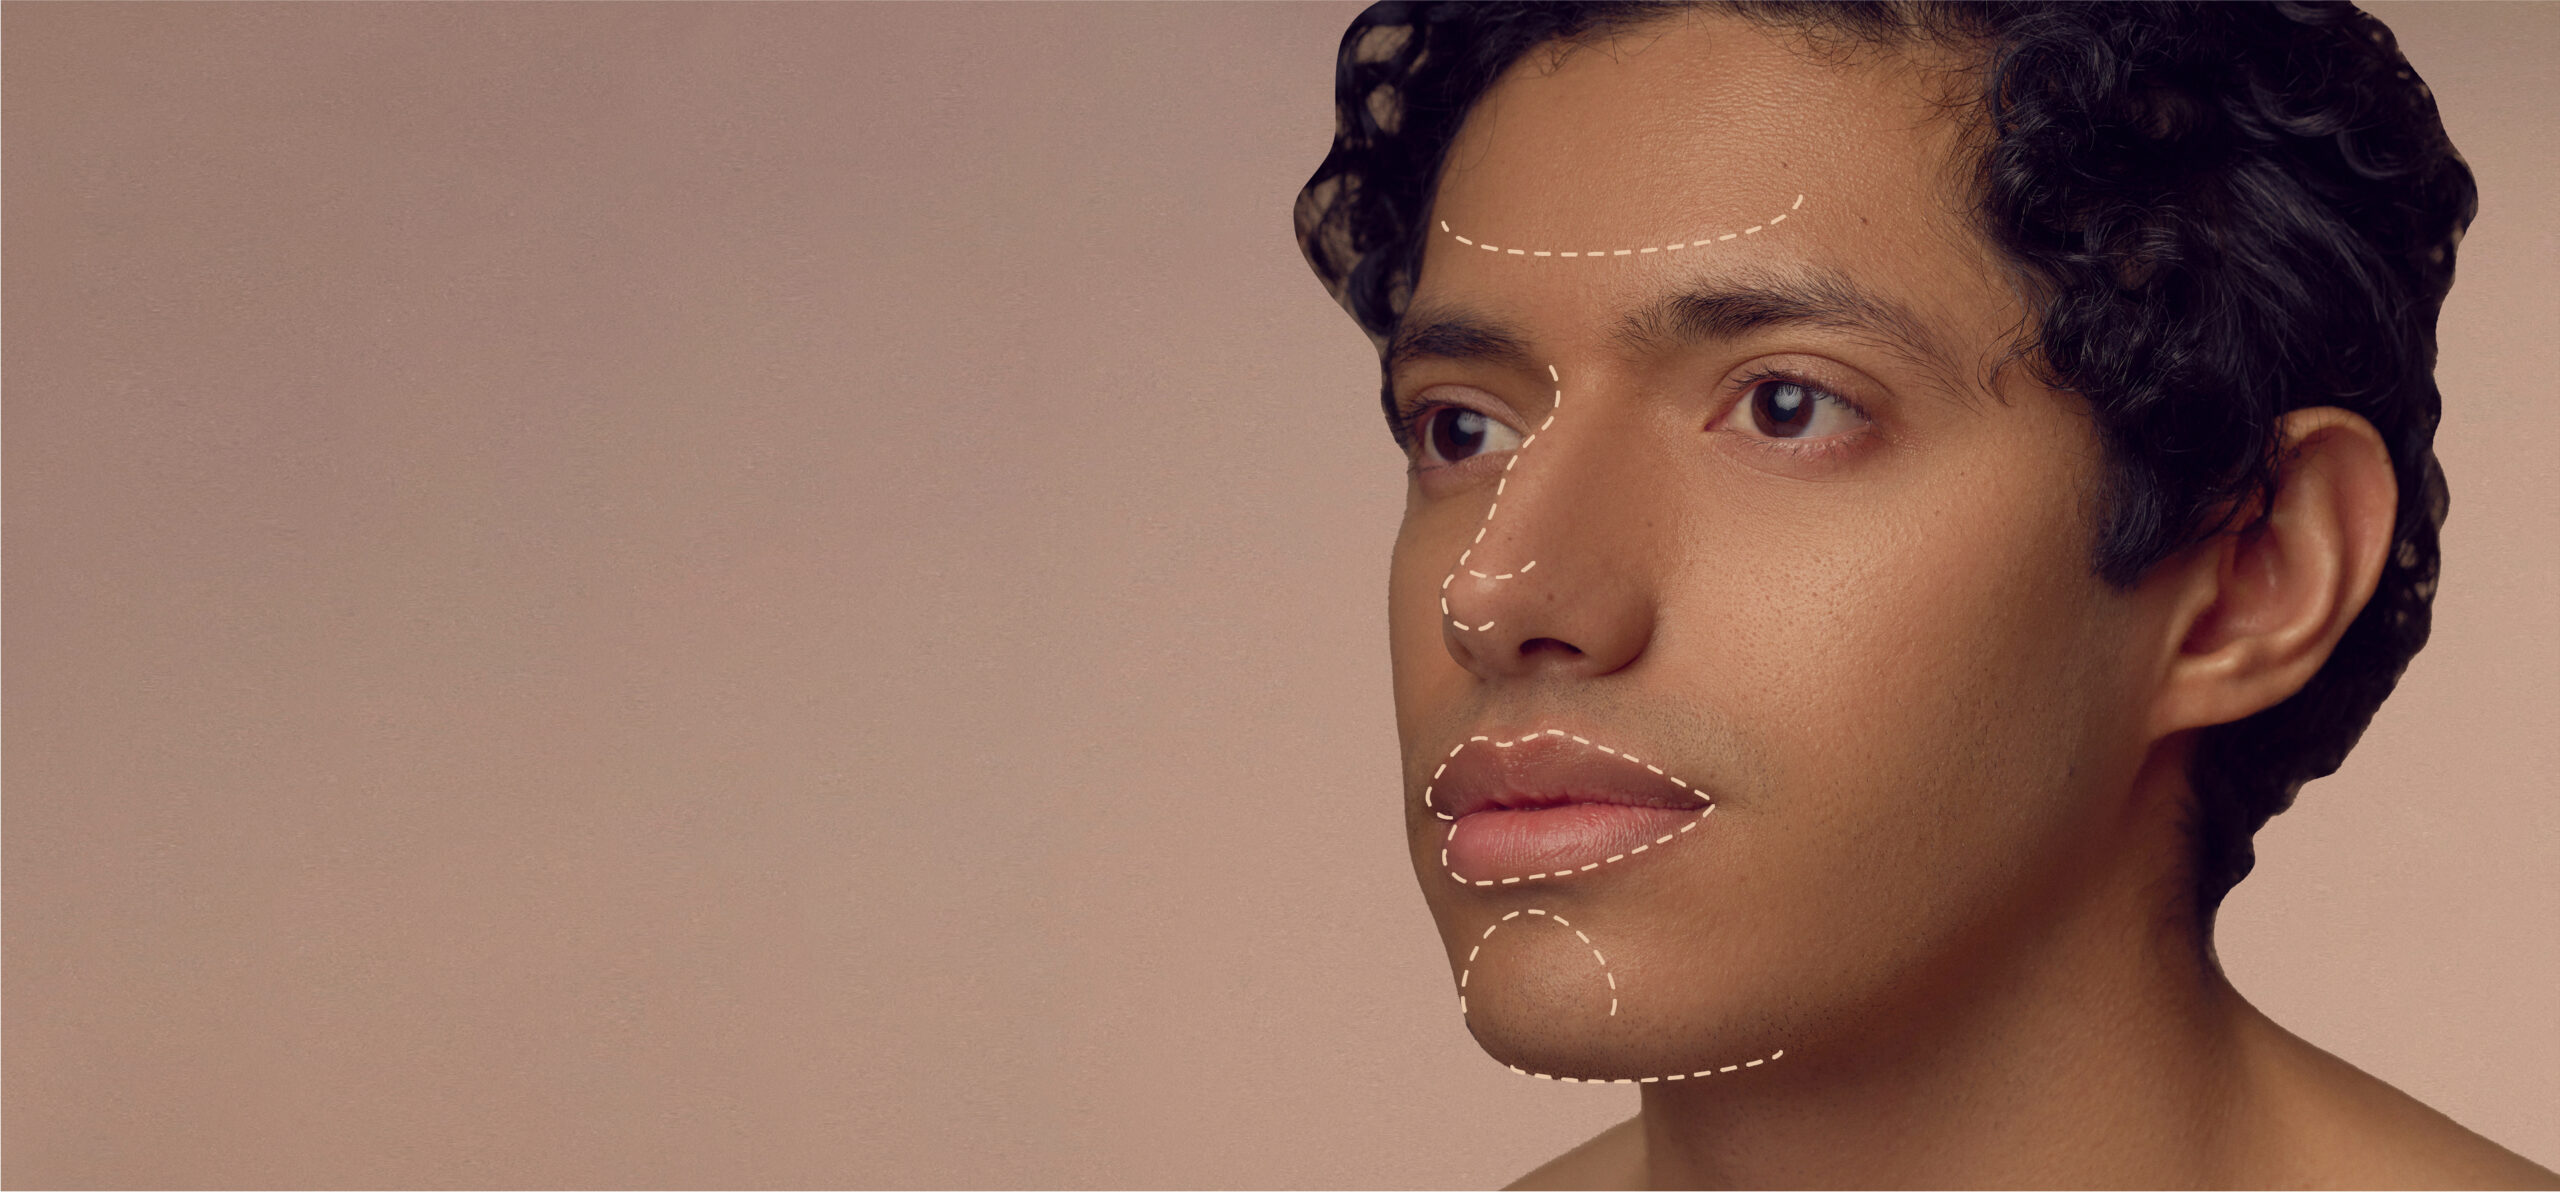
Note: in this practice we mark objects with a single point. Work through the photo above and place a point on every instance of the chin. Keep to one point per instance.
(1604, 985)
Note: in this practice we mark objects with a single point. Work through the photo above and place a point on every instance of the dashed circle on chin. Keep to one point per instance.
(1542, 915)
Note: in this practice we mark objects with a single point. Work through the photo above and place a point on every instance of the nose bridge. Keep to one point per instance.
(1548, 564)
(1490, 559)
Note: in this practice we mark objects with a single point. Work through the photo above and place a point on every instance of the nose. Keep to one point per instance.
(1564, 582)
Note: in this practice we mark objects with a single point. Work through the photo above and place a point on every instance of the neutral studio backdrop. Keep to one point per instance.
(637, 595)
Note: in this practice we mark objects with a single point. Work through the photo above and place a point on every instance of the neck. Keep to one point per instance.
(2098, 1045)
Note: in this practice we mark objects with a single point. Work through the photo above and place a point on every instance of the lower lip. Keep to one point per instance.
(1556, 841)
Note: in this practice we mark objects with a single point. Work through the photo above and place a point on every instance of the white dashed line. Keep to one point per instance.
(1501, 485)
(1612, 253)
(1467, 973)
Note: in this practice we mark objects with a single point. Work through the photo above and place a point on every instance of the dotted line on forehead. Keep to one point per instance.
(1559, 920)
(1674, 246)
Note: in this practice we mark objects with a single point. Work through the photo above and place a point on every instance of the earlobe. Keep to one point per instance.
(2258, 612)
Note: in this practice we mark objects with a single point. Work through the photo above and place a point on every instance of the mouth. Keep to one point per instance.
(1551, 805)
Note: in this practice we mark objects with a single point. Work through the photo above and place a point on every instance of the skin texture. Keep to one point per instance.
(1946, 873)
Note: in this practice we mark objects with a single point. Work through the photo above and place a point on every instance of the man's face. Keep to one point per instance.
(1787, 539)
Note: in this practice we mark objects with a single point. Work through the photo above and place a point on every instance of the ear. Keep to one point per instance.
(2254, 615)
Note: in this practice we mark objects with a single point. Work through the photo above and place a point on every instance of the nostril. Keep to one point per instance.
(1541, 644)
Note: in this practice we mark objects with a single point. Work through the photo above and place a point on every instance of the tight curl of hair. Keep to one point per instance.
(2224, 212)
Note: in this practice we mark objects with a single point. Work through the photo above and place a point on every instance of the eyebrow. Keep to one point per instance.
(1457, 336)
(1726, 308)
(1827, 299)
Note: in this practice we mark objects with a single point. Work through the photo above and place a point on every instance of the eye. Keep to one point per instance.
(1788, 409)
(1455, 434)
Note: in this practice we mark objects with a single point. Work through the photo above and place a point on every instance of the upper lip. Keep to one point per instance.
(1544, 770)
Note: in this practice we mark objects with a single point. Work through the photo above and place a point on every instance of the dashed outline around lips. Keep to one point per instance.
(1665, 838)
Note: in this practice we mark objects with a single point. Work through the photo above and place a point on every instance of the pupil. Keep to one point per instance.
(1457, 434)
(1782, 408)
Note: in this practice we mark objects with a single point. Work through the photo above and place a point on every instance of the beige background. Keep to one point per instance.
(706, 595)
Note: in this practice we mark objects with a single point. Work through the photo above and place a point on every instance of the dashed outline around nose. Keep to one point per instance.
(1503, 482)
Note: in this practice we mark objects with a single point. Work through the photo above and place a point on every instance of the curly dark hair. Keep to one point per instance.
(2225, 211)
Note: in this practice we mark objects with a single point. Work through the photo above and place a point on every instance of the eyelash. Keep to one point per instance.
(1413, 418)
(1409, 417)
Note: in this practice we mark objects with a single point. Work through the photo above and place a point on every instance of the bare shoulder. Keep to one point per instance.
(2343, 1127)
(1614, 1158)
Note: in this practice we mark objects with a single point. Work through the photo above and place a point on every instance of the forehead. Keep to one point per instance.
(1725, 147)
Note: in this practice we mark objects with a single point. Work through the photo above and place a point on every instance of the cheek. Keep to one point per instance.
(1917, 681)
(1421, 664)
